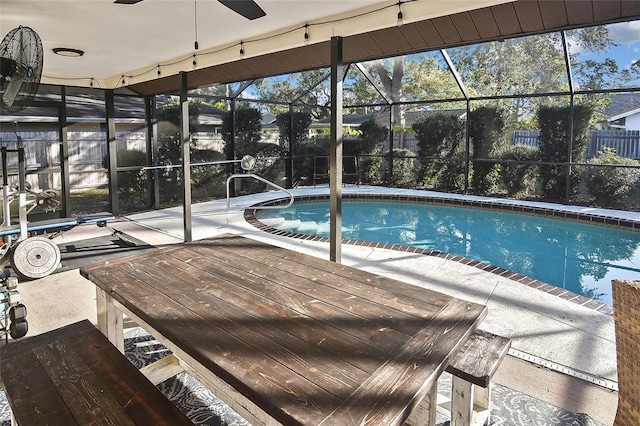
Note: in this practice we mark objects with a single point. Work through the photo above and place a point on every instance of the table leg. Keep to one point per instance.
(425, 413)
(110, 321)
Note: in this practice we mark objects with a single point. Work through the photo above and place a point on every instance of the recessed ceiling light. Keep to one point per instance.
(66, 51)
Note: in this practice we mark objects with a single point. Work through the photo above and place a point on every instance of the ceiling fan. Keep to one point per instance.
(247, 8)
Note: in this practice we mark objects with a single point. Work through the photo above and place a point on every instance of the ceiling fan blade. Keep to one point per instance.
(247, 8)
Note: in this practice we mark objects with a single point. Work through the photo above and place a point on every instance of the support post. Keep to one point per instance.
(111, 151)
(335, 152)
(186, 156)
(290, 157)
(231, 151)
(151, 138)
(64, 154)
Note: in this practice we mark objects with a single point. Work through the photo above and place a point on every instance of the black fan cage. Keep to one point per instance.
(21, 68)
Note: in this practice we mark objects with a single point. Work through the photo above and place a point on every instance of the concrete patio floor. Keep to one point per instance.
(548, 330)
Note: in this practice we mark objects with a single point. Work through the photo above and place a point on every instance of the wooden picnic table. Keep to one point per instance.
(288, 338)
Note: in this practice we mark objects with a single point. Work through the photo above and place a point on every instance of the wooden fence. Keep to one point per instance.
(626, 143)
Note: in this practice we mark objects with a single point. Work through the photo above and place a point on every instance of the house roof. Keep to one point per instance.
(622, 105)
(90, 107)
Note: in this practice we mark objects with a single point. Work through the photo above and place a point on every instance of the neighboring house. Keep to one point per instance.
(86, 133)
(623, 113)
(352, 122)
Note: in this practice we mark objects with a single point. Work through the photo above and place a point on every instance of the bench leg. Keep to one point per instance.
(461, 402)
(469, 403)
(110, 321)
(481, 398)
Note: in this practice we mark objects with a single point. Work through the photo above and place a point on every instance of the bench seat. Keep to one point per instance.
(74, 375)
(472, 369)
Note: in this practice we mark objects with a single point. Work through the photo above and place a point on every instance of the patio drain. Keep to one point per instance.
(608, 384)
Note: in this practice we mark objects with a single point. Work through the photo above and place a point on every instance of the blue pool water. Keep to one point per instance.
(579, 257)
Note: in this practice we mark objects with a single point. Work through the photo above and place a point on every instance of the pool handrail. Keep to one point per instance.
(261, 179)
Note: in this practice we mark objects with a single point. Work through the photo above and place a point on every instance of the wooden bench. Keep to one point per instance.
(472, 369)
(74, 375)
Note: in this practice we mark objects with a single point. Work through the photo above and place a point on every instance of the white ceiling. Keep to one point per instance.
(130, 41)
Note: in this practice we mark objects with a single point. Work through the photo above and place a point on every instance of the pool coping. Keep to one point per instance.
(600, 217)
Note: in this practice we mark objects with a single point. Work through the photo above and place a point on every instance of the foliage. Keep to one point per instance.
(301, 122)
(403, 172)
(426, 77)
(129, 182)
(132, 184)
(303, 161)
(611, 186)
(169, 146)
(306, 86)
(168, 115)
(207, 181)
(519, 178)
(531, 64)
(485, 129)
(247, 136)
(440, 138)
(555, 142)
(368, 148)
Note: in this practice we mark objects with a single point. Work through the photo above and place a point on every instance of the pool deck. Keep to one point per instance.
(546, 330)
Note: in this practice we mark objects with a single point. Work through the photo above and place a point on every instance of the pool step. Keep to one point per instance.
(288, 224)
(293, 225)
(272, 221)
(307, 226)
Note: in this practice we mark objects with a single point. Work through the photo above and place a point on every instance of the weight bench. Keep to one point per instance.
(74, 375)
(58, 224)
(37, 256)
(472, 369)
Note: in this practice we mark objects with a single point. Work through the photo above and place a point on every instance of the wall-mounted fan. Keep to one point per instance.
(21, 58)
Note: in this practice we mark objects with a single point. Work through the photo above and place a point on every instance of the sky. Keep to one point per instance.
(627, 37)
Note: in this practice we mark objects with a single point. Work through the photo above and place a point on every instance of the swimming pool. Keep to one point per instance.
(579, 257)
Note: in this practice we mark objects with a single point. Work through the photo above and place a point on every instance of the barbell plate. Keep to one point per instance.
(35, 257)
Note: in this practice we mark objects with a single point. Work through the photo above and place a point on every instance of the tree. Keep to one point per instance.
(248, 128)
(169, 144)
(300, 120)
(371, 141)
(555, 142)
(308, 87)
(485, 130)
(440, 139)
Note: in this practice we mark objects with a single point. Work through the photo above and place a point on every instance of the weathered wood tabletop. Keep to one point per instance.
(308, 341)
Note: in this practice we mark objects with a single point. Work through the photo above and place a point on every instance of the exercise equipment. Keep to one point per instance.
(13, 314)
(27, 245)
